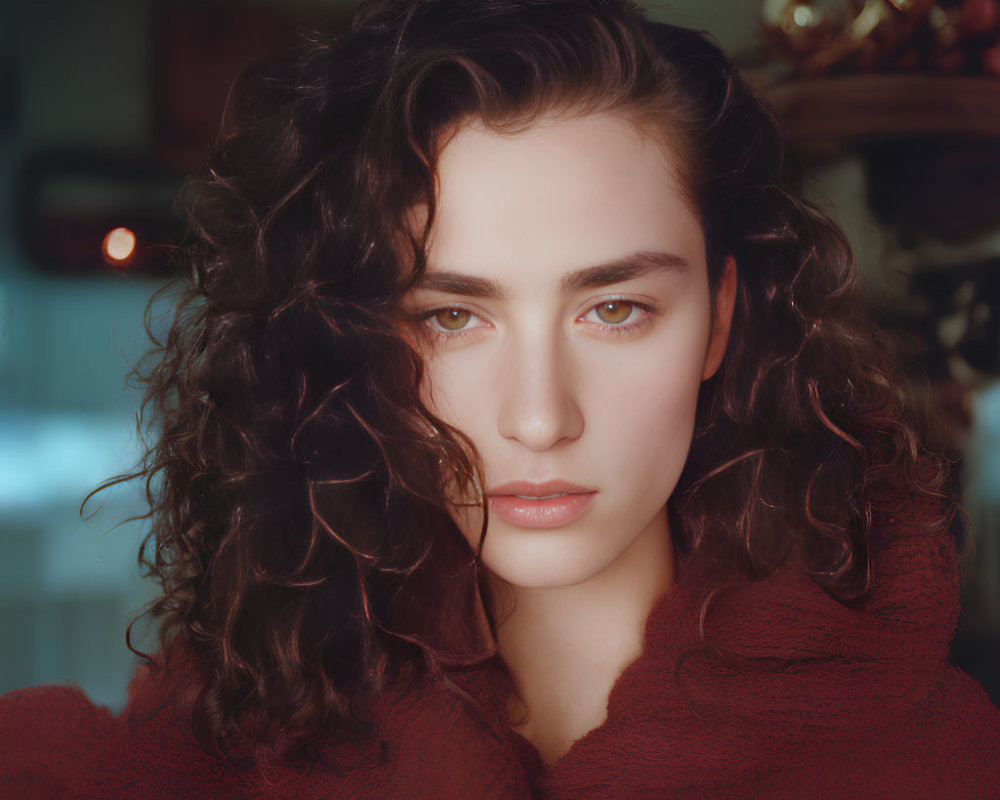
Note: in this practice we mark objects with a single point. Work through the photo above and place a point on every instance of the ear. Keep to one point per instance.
(724, 300)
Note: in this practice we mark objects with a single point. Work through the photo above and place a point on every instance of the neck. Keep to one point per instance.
(566, 646)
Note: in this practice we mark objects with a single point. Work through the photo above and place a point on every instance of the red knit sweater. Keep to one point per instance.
(801, 697)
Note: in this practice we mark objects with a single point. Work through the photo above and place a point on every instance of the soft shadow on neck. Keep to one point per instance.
(565, 646)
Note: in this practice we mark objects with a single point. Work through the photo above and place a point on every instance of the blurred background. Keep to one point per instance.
(893, 106)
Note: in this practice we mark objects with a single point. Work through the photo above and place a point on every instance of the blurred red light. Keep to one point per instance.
(119, 245)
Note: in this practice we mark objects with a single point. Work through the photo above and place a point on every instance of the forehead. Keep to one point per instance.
(563, 193)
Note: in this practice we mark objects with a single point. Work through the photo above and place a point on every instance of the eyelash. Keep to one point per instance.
(610, 329)
(622, 328)
(426, 318)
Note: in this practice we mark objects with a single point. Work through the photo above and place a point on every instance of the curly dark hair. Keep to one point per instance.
(300, 523)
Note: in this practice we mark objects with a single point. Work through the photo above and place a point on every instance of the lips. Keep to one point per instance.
(551, 504)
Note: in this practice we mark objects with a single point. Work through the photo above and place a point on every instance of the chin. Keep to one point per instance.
(543, 561)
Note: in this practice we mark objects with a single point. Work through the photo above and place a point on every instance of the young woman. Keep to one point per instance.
(519, 433)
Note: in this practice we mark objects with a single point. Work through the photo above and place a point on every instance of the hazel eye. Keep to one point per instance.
(452, 319)
(614, 312)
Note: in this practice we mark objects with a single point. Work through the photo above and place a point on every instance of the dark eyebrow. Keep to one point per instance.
(633, 265)
(457, 283)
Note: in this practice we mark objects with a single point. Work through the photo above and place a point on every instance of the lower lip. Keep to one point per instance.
(552, 512)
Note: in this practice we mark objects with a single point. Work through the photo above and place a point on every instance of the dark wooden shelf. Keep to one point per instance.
(830, 111)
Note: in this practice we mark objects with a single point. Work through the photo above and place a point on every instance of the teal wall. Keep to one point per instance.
(68, 587)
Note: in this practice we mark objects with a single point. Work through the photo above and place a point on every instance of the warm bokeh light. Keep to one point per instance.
(119, 245)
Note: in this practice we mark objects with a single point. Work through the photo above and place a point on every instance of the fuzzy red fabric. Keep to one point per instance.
(798, 696)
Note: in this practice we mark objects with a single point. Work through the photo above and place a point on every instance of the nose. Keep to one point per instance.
(538, 406)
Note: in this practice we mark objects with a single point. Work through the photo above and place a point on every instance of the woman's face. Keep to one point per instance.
(566, 324)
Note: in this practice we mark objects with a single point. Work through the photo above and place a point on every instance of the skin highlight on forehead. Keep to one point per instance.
(648, 124)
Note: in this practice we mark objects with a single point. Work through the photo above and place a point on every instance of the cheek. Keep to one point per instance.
(454, 398)
(455, 390)
(643, 407)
